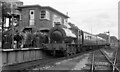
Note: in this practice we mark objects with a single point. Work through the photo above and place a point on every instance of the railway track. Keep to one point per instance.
(59, 59)
(99, 61)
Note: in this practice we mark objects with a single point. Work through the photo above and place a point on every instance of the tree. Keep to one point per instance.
(6, 9)
(112, 38)
(74, 28)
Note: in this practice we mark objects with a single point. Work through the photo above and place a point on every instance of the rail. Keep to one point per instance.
(112, 62)
(115, 59)
(92, 65)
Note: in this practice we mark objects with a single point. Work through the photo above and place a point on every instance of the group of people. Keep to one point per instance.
(30, 39)
(24, 39)
(6, 41)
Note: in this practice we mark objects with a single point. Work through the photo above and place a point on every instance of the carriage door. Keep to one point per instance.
(82, 33)
(80, 37)
(32, 16)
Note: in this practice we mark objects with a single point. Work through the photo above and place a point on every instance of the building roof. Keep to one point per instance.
(10, 1)
(28, 6)
(47, 7)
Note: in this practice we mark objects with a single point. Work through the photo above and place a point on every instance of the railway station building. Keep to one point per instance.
(41, 16)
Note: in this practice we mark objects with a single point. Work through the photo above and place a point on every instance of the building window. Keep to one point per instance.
(45, 15)
(65, 21)
(56, 19)
(32, 14)
(32, 17)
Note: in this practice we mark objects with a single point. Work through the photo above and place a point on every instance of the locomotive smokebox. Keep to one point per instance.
(56, 36)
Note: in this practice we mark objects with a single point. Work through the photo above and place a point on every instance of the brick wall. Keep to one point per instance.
(40, 23)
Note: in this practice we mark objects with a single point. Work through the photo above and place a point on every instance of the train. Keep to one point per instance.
(57, 40)
(70, 41)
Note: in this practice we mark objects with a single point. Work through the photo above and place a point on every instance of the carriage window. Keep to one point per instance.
(80, 33)
(87, 36)
(0, 29)
(90, 37)
(20, 16)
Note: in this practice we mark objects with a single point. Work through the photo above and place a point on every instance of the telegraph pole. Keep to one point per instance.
(12, 21)
(108, 36)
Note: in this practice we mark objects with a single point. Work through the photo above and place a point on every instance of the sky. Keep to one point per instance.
(93, 16)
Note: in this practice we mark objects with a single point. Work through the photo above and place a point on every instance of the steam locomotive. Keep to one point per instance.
(69, 41)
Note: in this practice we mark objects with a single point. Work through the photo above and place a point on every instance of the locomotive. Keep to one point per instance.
(69, 41)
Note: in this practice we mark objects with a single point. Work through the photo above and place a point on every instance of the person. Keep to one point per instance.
(21, 40)
(28, 39)
(46, 40)
(36, 39)
(17, 39)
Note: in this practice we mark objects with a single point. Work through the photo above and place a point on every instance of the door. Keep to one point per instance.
(32, 16)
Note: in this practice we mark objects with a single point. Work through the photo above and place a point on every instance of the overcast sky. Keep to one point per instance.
(94, 16)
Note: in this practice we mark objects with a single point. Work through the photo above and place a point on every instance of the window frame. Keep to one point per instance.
(46, 14)
(56, 18)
